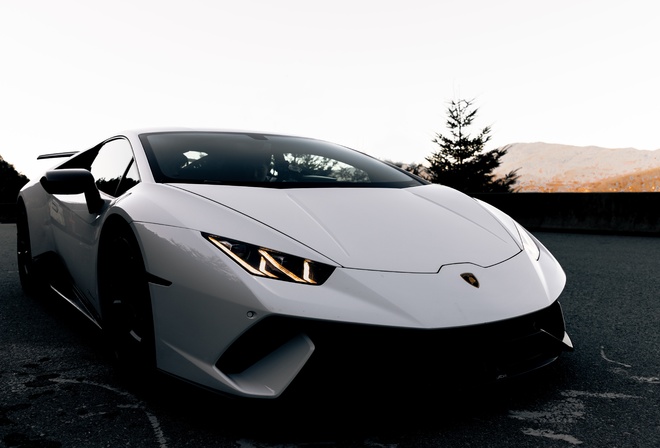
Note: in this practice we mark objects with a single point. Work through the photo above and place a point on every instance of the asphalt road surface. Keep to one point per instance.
(59, 388)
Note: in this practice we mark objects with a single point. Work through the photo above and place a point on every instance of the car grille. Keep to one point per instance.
(369, 353)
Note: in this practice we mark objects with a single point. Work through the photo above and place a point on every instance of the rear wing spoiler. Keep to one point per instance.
(57, 155)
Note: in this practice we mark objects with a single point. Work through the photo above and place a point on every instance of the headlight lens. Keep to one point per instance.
(268, 263)
(529, 244)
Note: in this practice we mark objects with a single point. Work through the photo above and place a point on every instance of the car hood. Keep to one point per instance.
(417, 229)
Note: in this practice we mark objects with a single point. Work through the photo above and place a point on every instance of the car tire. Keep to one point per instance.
(126, 303)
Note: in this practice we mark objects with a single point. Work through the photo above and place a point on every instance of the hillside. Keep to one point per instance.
(552, 167)
(648, 180)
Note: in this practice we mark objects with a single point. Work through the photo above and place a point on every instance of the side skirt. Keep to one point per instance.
(50, 267)
(78, 304)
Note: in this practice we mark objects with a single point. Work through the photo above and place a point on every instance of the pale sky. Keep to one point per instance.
(375, 75)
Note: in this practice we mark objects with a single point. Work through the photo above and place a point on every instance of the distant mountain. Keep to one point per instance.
(553, 167)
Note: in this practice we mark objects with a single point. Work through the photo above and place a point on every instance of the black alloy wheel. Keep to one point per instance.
(126, 301)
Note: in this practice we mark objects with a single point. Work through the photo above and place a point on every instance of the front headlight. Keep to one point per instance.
(269, 263)
(528, 242)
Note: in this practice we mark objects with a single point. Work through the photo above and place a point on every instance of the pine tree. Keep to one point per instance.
(461, 161)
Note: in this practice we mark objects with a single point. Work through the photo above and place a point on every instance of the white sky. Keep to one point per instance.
(375, 75)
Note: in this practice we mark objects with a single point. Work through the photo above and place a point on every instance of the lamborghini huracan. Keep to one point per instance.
(244, 261)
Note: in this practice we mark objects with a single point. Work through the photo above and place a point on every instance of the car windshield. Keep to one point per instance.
(264, 160)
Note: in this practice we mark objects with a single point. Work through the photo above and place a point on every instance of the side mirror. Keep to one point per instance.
(74, 181)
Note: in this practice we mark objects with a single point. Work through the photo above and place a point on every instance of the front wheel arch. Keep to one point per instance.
(125, 299)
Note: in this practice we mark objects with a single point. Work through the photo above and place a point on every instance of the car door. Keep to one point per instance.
(75, 229)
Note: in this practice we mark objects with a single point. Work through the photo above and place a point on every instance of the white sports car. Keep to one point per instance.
(244, 261)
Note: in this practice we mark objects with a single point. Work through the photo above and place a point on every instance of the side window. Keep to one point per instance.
(113, 168)
(131, 179)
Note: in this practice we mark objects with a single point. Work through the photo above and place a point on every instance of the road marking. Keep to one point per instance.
(563, 413)
(609, 395)
(639, 379)
(153, 420)
(602, 354)
(551, 435)
(647, 379)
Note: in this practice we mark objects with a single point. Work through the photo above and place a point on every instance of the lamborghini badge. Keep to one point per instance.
(471, 279)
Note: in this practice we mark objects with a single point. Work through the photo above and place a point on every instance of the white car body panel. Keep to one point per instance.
(398, 256)
(355, 227)
(426, 301)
